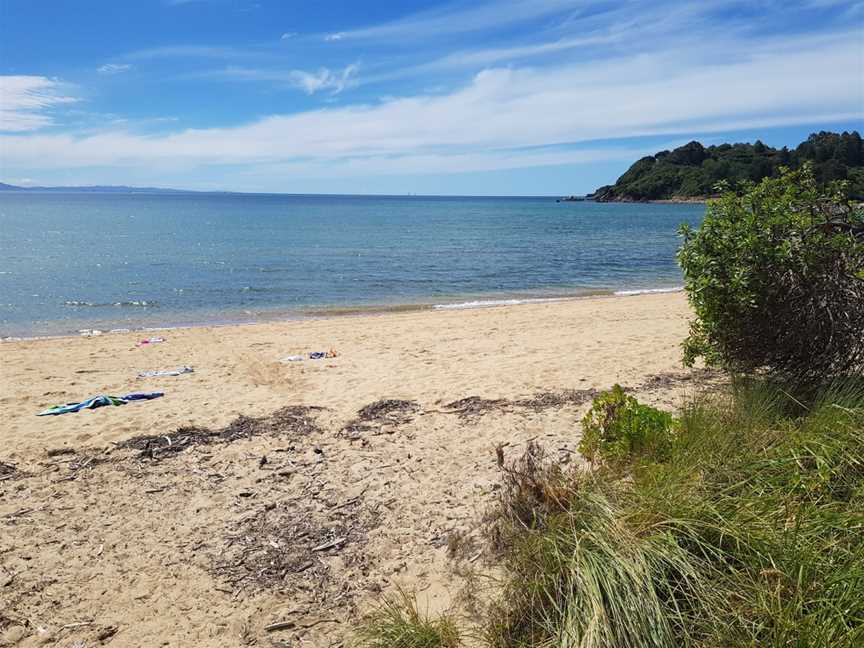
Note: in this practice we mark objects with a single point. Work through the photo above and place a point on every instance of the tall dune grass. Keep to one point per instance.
(399, 623)
(750, 533)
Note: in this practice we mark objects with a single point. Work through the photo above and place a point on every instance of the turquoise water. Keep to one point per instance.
(72, 261)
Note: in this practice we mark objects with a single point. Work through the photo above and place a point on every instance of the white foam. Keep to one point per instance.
(490, 303)
(648, 291)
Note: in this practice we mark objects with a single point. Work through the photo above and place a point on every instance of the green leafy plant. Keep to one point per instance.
(617, 427)
(775, 276)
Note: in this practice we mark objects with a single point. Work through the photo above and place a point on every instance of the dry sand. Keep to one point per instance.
(304, 517)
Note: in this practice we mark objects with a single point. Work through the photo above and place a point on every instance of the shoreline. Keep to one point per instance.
(337, 312)
(695, 200)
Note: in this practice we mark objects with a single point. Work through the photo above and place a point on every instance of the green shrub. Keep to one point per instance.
(775, 276)
(617, 427)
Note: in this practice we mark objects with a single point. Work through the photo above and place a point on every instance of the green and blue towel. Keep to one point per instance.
(99, 401)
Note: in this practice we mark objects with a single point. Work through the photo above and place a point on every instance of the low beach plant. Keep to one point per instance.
(618, 427)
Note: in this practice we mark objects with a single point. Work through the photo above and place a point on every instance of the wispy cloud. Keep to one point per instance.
(114, 68)
(503, 114)
(322, 80)
(25, 102)
(461, 17)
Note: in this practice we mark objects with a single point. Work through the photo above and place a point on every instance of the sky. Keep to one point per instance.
(471, 97)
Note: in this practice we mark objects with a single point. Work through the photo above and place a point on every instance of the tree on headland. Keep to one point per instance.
(693, 170)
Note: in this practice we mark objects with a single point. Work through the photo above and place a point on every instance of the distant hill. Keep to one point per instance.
(94, 189)
(693, 171)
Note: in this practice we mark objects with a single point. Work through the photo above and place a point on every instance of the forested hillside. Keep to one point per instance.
(693, 170)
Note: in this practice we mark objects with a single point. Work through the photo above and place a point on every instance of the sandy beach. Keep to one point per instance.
(207, 535)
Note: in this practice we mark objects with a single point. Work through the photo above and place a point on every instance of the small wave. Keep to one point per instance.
(257, 289)
(648, 291)
(142, 303)
(490, 303)
(135, 303)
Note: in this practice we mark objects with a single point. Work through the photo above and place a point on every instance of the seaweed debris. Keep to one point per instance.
(473, 408)
(383, 415)
(291, 420)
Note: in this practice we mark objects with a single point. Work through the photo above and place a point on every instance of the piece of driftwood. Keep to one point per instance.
(330, 545)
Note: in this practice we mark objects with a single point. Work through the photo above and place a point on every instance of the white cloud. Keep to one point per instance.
(334, 37)
(287, 35)
(25, 100)
(323, 79)
(500, 118)
(114, 68)
(462, 18)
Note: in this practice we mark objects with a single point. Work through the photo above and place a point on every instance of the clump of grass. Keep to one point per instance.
(398, 623)
(590, 580)
(745, 530)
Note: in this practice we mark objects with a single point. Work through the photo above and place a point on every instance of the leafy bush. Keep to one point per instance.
(775, 276)
(618, 426)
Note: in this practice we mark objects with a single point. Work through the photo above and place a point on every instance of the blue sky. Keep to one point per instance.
(463, 97)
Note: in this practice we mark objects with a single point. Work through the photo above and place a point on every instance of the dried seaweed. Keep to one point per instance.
(473, 408)
(152, 446)
(294, 420)
(385, 414)
(668, 380)
(547, 400)
(56, 452)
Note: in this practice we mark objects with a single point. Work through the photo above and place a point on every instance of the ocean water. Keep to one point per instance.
(73, 261)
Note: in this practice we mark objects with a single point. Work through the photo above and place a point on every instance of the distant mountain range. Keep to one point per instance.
(95, 189)
(692, 171)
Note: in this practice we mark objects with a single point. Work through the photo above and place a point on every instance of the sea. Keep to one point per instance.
(79, 262)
